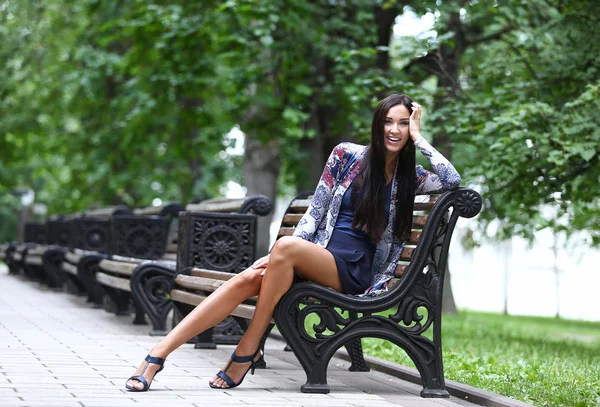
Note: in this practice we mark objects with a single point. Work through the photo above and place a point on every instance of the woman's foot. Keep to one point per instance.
(235, 371)
(142, 378)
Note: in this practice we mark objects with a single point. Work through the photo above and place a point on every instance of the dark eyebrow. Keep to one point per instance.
(403, 118)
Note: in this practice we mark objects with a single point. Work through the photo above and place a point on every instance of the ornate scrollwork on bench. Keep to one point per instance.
(138, 237)
(8, 258)
(151, 285)
(259, 205)
(58, 238)
(411, 308)
(35, 232)
(91, 234)
(86, 271)
(221, 242)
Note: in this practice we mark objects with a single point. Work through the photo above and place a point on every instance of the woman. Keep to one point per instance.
(350, 238)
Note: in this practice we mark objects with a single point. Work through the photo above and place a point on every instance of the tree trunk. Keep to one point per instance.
(448, 304)
(449, 60)
(261, 170)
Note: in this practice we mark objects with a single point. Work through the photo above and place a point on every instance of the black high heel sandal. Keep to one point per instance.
(236, 359)
(140, 378)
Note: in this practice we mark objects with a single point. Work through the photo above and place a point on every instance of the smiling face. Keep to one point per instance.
(395, 130)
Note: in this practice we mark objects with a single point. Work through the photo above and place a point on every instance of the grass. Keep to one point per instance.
(541, 361)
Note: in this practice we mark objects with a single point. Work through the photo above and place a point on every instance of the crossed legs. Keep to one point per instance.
(289, 254)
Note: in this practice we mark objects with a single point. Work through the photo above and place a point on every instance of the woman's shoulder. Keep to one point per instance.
(347, 148)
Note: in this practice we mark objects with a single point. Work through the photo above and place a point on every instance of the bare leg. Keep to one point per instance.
(289, 254)
(208, 313)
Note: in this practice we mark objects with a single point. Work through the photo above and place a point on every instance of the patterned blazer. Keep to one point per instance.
(343, 165)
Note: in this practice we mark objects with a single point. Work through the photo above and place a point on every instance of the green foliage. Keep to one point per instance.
(125, 101)
(542, 361)
(9, 206)
(522, 117)
(111, 104)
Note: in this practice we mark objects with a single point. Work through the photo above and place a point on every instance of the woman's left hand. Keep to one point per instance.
(261, 263)
(414, 127)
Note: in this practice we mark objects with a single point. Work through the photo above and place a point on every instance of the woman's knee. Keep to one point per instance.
(284, 248)
(250, 278)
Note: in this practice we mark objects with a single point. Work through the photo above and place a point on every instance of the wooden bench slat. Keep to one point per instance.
(419, 221)
(291, 219)
(400, 269)
(218, 275)
(69, 268)
(425, 202)
(123, 259)
(422, 202)
(33, 260)
(217, 205)
(414, 237)
(73, 257)
(242, 310)
(118, 267)
(112, 281)
(169, 257)
(198, 283)
(149, 211)
(37, 250)
(300, 205)
(109, 210)
(204, 283)
(17, 256)
(82, 253)
(407, 253)
(288, 231)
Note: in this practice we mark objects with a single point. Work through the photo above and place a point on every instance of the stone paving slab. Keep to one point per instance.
(56, 350)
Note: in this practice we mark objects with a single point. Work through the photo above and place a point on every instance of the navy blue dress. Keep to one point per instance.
(353, 249)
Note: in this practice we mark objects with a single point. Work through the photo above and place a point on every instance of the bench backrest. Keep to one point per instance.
(90, 231)
(422, 207)
(220, 234)
(58, 230)
(35, 232)
(147, 233)
(258, 204)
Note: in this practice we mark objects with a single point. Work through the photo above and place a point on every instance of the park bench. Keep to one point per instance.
(89, 238)
(316, 321)
(41, 259)
(6, 254)
(116, 273)
(146, 234)
(59, 239)
(24, 256)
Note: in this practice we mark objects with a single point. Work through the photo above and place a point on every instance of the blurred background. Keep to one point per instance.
(139, 103)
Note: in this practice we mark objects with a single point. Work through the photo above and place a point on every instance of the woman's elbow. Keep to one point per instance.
(454, 181)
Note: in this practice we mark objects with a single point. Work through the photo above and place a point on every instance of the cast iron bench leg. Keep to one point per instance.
(151, 284)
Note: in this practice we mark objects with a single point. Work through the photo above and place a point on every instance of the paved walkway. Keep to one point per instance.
(57, 351)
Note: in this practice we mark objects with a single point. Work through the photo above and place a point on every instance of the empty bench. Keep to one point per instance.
(117, 273)
(89, 243)
(147, 234)
(24, 257)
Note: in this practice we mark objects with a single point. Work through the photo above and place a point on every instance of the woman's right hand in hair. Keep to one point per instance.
(263, 262)
(414, 129)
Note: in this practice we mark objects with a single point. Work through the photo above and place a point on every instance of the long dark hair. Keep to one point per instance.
(368, 199)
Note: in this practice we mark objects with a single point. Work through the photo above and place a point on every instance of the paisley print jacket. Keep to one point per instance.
(342, 167)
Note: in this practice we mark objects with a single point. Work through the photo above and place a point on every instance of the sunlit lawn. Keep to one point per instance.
(542, 361)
